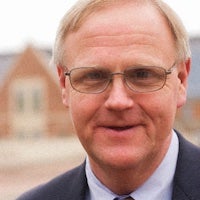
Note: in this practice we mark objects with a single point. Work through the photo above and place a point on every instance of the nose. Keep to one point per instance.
(119, 96)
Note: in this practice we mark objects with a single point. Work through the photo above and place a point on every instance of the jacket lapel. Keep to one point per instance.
(187, 175)
(178, 194)
(77, 188)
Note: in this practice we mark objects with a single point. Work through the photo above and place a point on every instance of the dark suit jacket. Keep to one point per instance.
(73, 184)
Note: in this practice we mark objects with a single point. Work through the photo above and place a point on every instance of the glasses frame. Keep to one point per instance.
(167, 72)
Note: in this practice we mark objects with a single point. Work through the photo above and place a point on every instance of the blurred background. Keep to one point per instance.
(37, 141)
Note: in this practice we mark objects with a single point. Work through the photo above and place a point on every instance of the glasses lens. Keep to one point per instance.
(89, 80)
(145, 79)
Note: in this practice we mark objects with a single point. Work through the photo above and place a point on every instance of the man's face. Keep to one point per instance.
(118, 127)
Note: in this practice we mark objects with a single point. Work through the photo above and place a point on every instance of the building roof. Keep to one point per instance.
(194, 77)
(7, 61)
(5, 65)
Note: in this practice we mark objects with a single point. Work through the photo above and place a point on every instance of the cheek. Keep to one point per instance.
(161, 110)
(82, 108)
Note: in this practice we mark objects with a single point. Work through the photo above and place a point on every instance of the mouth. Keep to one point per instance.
(118, 133)
(119, 129)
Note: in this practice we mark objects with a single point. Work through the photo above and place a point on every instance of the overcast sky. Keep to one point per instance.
(36, 21)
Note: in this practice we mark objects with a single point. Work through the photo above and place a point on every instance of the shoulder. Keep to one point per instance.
(188, 151)
(189, 155)
(187, 175)
(61, 187)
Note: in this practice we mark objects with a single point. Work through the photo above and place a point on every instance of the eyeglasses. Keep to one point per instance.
(141, 79)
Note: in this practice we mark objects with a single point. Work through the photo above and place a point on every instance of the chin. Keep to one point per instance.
(118, 161)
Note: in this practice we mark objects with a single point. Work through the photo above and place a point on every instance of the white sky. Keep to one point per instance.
(35, 21)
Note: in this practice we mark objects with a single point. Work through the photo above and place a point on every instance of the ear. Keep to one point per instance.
(183, 73)
(63, 85)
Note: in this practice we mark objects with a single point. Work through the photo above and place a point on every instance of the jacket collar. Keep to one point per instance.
(78, 187)
(187, 175)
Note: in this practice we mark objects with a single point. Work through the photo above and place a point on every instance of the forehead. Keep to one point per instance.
(120, 10)
(120, 24)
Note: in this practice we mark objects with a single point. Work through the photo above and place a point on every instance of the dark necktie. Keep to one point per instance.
(126, 198)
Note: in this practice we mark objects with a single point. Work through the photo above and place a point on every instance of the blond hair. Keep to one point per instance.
(73, 19)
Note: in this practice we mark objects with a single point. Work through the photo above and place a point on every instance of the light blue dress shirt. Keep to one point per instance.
(159, 186)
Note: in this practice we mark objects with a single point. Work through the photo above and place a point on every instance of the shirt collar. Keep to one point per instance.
(158, 186)
(97, 191)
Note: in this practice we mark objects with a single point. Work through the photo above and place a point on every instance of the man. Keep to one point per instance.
(123, 67)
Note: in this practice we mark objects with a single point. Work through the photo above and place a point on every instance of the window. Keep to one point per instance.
(27, 112)
(37, 100)
(19, 101)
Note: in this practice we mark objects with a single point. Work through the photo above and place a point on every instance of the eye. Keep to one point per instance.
(95, 75)
(143, 74)
(89, 75)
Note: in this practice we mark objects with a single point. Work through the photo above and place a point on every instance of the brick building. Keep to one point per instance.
(31, 104)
